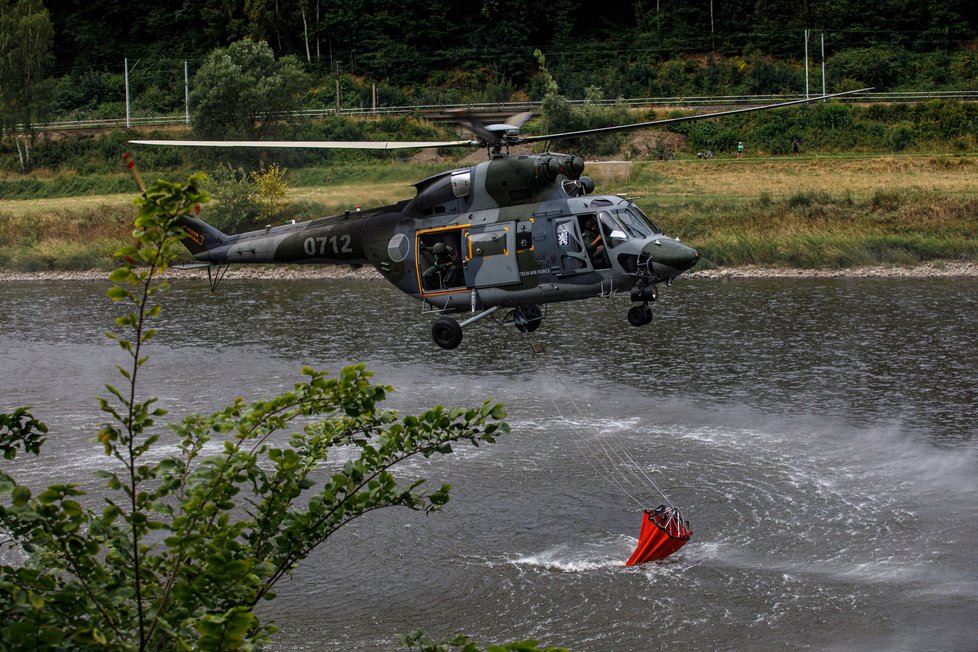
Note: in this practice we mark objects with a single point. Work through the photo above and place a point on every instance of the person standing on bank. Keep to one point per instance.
(740, 149)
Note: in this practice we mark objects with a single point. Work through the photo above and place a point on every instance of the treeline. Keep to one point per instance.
(66, 61)
(406, 42)
(449, 50)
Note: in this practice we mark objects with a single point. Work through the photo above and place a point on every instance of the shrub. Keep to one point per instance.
(185, 544)
(235, 207)
(269, 190)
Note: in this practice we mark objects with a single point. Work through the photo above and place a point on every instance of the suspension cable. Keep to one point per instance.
(617, 467)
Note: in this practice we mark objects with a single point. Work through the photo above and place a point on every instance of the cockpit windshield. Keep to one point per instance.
(637, 223)
(612, 229)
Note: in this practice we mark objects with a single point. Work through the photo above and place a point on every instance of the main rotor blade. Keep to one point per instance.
(519, 119)
(488, 132)
(666, 121)
(311, 144)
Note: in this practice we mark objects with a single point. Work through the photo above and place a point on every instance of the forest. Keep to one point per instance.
(68, 56)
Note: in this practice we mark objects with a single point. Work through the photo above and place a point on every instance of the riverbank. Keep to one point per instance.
(292, 272)
(836, 214)
(927, 270)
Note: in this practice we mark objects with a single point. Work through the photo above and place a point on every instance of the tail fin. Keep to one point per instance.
(199, 236)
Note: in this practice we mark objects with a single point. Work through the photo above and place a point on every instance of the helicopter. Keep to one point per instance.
(515, 232)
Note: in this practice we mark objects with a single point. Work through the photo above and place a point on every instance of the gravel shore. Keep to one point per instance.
(927, 270)
(287, 272)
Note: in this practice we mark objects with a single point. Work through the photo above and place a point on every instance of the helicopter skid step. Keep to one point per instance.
(477, 317)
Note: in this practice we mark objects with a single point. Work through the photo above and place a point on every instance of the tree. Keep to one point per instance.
(188, 543)
(25, 52)
(560, 117)
(241, 90)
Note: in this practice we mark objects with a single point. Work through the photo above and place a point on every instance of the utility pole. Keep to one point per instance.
(186, 92)
(713, 42)
(338, 71)
(125, 65)
(823, 63)
(806, 64)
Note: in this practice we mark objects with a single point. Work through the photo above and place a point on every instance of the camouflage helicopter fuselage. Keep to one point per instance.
(514, 227)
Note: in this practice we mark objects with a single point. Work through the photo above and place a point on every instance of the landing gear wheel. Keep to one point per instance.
(527, 318)
(639, 315)
(446, 332)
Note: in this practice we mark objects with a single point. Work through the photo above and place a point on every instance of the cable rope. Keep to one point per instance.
(620, 458)
(612, 463)
(600, 464)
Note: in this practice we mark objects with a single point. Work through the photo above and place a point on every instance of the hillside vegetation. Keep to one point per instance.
(890, 183)
(74, 61)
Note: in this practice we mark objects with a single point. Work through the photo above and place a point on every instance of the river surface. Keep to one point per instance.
(821, 436)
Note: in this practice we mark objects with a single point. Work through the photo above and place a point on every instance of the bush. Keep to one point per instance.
(185, 544)
(269, 190)
(879, 67)
(234, 208)
(901, 137)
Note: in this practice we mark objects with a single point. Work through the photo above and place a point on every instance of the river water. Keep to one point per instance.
(820, 435)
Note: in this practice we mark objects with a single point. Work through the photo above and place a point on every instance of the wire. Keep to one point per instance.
(612, 463)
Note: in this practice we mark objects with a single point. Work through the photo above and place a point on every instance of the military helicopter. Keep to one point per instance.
(515, 232)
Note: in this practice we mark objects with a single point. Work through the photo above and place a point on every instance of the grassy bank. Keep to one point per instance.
(79, 236)
(800, 212)
(812, 212)
(818, 229)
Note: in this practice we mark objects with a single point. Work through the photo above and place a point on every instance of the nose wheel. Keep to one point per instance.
(640, 315)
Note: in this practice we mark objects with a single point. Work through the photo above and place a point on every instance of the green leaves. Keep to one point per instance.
(20, 429)
(241, 89)
(418, 640)
(225, 631)
(192, 537)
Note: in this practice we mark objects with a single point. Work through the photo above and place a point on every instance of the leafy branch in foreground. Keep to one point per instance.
(187, 543)
(421, 642)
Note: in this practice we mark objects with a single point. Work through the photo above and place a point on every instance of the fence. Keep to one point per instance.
(444, 111)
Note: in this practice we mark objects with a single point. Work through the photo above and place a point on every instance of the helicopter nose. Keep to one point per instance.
(670, 258)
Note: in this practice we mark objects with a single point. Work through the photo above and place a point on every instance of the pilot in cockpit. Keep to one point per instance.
(593, 242)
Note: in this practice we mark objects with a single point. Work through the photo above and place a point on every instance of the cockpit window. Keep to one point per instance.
(633, 225)
(612, 229)
(638, 217)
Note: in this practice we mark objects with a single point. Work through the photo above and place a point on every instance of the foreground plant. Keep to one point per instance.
(187, 544)
(418, 641)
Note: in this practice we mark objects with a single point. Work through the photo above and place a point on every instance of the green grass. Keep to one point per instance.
(811, 230)
(65, 186)
(53, 255)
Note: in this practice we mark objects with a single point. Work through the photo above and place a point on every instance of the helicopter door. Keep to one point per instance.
(573, 258)
(490, 255)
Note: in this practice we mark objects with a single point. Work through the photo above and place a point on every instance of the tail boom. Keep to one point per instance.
(335, 240)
